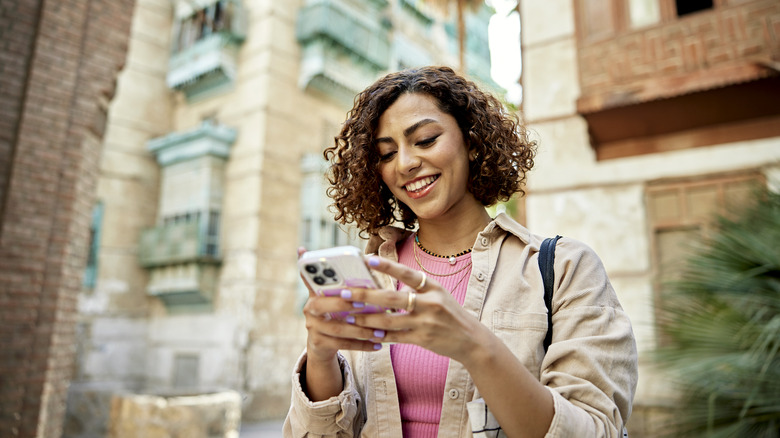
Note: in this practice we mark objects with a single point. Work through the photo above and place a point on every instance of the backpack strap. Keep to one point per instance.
(546, 259)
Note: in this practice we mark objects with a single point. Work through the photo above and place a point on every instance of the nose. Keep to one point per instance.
(408, 160)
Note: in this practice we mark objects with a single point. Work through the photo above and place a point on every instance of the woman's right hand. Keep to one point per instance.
(326, 336)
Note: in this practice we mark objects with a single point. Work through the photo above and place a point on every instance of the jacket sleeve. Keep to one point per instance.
(340, 416)
(591, 365)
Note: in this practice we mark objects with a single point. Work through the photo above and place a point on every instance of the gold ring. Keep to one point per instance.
(422, 282)
(412, 301)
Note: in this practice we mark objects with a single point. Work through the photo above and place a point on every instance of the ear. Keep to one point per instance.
(473, 154)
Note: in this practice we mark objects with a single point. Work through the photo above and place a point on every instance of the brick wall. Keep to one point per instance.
(59, 61)
(699, 51)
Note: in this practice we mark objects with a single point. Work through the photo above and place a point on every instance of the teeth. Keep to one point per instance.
(419, 184)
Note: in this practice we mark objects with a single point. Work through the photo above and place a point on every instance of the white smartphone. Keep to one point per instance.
(328, 271)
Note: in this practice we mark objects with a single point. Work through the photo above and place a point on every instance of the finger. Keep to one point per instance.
(345, 330)
(326, 342)
(334, 305)
(378, 299)
(415, 279)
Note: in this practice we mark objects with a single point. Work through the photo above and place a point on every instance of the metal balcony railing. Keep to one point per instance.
(185, 240)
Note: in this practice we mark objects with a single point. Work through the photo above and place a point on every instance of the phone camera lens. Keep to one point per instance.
(311, 269)
(329, 272)
(319, 280)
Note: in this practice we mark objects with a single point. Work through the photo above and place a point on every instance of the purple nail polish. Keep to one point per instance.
(350, 319)
(377, 346)
(346, 293)
(373, 261)
(358, 304)
(379, 334)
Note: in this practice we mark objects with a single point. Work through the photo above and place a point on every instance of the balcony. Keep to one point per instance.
(177, 243)
(183, 261)
(205, 49)
(343, 51)
(696, 80)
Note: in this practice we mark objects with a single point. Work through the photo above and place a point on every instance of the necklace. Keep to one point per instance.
(450, 258)
(461, 279)
(419, 263)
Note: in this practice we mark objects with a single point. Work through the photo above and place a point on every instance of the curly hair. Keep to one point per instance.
(504, 151)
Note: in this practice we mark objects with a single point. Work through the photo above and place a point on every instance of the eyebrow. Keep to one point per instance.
(408, 131)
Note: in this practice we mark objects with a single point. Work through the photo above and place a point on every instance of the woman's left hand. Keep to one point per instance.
(435, 320)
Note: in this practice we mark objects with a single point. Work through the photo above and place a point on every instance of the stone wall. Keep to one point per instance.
(213, 415)
(60, 61)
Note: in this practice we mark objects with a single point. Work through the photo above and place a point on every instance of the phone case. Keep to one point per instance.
(328, 271)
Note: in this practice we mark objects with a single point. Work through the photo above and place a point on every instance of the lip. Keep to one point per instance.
(425, 190)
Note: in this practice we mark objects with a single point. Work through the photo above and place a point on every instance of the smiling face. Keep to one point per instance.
(424, 160)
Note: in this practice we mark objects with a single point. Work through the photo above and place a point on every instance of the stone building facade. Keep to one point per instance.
(211, 176)
(651, 116)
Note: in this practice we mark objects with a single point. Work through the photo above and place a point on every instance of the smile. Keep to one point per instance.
(421, 184)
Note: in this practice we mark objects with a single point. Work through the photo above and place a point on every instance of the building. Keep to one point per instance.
(651, 116)
(211, 176)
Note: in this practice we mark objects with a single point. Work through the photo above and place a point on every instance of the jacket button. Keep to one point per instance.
(454, 394)
(480, 276)
(484, 241)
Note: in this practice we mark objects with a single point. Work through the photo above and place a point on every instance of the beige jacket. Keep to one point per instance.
(590, 367)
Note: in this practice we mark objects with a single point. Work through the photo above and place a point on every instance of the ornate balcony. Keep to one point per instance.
(189, 241)
(182, 253)
(205, 49)
(343, 51)
(183, 262)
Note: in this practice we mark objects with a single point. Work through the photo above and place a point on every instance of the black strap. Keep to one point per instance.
(546, 266)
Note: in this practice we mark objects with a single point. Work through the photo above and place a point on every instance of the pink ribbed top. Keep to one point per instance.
(420, 375)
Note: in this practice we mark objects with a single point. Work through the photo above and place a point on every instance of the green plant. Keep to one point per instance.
(721, 326)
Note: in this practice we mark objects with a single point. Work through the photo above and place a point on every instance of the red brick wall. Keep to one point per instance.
(708, 49)
(18, 22)
(59, 59)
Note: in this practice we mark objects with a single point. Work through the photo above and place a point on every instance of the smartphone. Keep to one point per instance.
(328, 271)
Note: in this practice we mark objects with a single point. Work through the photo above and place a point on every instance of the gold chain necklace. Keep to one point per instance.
(461, 280)
(450, 258)
(419, 263)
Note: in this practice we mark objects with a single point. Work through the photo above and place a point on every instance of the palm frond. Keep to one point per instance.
(722, 322)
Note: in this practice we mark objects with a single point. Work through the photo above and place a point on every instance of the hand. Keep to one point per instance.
(327, 335)
(437, 322)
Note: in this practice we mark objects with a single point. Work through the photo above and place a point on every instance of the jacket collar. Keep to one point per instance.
(384, 243)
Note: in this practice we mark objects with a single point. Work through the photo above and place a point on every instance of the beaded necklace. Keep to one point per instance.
(450, 258)
(419, 263)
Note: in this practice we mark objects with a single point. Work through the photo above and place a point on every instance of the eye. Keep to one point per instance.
(428, 141)
(386, 156)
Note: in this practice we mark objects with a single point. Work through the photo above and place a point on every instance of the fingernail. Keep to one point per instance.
(373, 261)
(358, 304)
(377, 346)
(350, 319)
(346, 293)
(379, 334)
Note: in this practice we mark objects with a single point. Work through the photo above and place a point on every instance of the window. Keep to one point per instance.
(318, 228)
(682, 212)
(202, 23)
(643, 13)
(186, 371)
(90, 273)
(604, 18)
(685, 7)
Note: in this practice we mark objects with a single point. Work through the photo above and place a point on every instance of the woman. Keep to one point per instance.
(426, 150)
